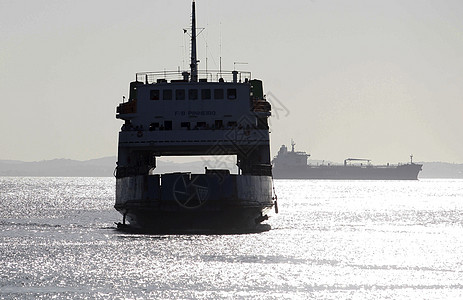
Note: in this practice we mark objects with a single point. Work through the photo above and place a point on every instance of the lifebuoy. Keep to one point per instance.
(139, 133)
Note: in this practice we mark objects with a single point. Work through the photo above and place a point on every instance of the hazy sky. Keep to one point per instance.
(358, 78)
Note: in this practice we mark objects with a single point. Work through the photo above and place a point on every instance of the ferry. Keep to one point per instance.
(193, 113)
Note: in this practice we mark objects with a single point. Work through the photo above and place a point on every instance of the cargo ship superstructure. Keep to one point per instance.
(293, 165)
(188, 114)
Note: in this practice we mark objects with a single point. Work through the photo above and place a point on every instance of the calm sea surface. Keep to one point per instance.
(331, 240)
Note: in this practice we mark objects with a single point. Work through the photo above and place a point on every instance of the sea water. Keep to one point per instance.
(330, 240)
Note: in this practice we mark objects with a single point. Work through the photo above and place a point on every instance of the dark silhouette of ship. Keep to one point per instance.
(293, 165)
(169, 113)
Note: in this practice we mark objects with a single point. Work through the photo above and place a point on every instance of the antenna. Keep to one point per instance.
(206, 43)
(194, 60)
(206, 56)
(220, 50)
(184, 55)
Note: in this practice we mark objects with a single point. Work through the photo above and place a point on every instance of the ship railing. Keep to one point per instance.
(203, 76)
(244, 128)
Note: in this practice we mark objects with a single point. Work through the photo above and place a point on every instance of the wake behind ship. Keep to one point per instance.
(293, 165)
(186, 114)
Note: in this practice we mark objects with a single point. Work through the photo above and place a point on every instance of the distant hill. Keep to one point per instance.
(59, 167)
(104, 167)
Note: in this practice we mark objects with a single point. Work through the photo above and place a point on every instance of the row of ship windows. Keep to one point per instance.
(218, 124)
(167, 125)
(193, 94)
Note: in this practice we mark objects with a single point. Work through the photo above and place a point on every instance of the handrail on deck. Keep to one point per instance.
(209, 76)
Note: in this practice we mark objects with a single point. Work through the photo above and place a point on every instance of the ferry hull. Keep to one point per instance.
(194, 202)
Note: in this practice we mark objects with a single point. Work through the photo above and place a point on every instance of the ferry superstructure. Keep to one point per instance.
(293, 165)
(186, 114)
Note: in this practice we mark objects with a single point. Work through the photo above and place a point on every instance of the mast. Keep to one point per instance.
(194, 60)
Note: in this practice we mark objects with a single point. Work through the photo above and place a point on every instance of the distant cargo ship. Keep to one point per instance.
(293, 165)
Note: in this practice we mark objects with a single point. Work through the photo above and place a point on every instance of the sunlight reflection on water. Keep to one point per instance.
(331, 240)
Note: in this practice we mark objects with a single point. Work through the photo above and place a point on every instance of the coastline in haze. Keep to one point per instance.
(104, 167)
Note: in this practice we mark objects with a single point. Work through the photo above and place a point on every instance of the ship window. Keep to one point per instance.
(153, 126)
(218, 93)
(232, 124)
(231, 94)
(154, 94)
(201, 125)
(206, 94)
(218, 124)
(167, 94)
(180, 94)
(168, 125)
(185, 125)
(193, 94)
